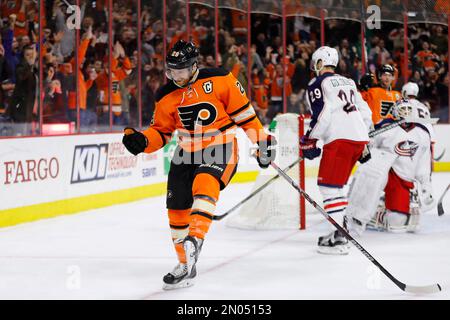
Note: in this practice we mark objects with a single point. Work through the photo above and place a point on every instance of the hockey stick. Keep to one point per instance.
(440, 157)
(440, 208)
(412, 289)
(374, 133)
(251, 195)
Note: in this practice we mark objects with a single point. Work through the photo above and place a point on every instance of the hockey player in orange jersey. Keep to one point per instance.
(381, 98)
(206, 107)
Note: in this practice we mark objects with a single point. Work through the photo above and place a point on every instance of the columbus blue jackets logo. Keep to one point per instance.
(406, 148)
(200, 114)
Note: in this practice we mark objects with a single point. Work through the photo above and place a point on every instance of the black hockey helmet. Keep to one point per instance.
(386, 68)
(182, 55)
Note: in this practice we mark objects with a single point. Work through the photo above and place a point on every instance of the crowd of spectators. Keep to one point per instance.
(87, 83)
(427, 59)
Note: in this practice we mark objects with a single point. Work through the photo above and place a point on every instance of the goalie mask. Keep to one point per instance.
(181, 63)
(328, 57)
(403, 109)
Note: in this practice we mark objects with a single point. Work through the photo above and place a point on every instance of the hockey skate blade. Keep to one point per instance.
(423, 289)
(337, 250)
(180, 285)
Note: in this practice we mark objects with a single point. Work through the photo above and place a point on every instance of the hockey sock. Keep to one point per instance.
(334, 203)
(179, 227)
(205, 190)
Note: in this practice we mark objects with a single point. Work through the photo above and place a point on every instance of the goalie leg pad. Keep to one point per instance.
(399, 222)
(367, 186)
(395, 220)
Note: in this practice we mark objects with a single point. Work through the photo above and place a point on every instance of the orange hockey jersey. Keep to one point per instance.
(83, 85)
(205, 113)
(102, 81)
(380, 102)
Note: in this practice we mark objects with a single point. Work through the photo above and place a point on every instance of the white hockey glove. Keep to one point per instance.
(426, 197)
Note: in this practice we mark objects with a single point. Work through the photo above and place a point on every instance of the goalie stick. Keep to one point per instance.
(251, 195)
(373, 133)
(440, 208)
(407, 288)
(438, 158)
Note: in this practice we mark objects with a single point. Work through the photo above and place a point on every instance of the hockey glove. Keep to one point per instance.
(365, 156)
(308, 148)
(426, 196)
(266, 152)
(366, 82)
(134, 141)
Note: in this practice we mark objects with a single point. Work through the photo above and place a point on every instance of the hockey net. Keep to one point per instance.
(279, 205)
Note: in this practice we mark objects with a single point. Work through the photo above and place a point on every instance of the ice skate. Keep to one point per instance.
(183, 275)
(333, 243)
(192, 247)
(394, 222)
(179, 277)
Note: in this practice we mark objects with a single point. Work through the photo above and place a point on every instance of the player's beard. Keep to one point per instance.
(182, 83)
(185, 82)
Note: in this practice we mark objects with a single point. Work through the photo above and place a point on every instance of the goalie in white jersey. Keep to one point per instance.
(400, 156)
(341, 119)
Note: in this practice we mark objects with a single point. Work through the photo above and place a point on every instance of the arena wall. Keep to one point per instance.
(45, 177)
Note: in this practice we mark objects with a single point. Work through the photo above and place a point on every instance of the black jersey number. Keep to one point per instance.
(421, 113)
(349, 103)
(241, 88)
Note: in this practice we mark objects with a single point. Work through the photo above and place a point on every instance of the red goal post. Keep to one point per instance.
(277, 206)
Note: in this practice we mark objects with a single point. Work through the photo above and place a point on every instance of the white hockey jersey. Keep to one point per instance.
(338, 110)
(412, 148)
(423, 113)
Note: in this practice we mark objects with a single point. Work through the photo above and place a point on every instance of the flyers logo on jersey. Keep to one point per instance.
(202, 114)
(406, 148)
(386, 107)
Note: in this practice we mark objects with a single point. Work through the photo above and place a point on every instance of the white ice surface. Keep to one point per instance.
(122, 252)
